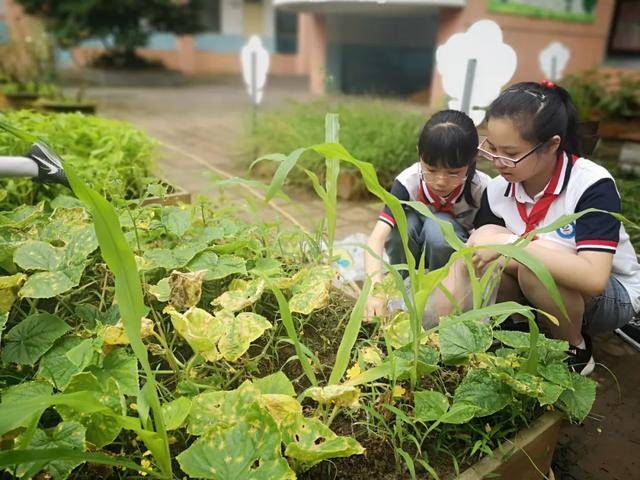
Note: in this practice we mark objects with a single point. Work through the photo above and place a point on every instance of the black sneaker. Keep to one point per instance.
(630, 333)
(49, 164)
(581, 360)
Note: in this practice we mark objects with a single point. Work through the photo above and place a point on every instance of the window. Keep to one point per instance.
(210, 15)
(625, 29)
(286, 32)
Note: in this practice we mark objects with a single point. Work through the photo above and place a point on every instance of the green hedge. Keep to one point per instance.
(113, 156)
(382, 133)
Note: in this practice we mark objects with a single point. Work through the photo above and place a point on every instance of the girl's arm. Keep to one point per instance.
(373, 266)
(586, 272)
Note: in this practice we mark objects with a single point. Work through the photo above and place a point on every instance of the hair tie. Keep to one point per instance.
(548, 84)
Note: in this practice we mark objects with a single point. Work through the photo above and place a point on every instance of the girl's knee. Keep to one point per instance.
(480, 234)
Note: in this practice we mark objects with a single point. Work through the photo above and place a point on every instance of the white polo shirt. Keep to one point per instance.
(410, 186)
(581, 184)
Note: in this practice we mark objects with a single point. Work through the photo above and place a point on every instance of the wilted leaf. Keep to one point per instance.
(240, 295)
(32, 337)
(186, 288)
(339, 395)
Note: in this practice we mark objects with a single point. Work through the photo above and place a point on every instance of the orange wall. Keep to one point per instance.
(587, 42)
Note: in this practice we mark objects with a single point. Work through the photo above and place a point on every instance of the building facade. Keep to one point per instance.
(385, 46)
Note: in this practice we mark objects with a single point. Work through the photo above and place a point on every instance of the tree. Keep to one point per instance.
(121, 25)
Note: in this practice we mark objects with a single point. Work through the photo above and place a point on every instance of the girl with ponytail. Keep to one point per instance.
(532, 141)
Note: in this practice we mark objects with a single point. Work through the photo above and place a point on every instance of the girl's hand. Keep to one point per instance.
(482, 258)
(375, 307)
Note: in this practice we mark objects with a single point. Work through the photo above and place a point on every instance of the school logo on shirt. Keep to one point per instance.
(568, 231)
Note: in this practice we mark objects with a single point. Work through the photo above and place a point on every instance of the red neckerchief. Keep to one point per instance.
(542, 206)
(440, 204)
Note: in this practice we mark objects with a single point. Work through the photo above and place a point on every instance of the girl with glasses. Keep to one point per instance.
(532, 141)
(445, 179)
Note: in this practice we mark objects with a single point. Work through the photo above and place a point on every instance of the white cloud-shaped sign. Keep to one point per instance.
(553, 60)
(255, 82)
(495, 65)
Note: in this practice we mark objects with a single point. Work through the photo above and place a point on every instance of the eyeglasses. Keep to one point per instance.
(449, 177)
(504, 161)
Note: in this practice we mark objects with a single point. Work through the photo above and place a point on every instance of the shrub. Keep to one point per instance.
(113, 156)
(378, 132)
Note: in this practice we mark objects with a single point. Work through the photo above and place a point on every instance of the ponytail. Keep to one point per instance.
(539, 111)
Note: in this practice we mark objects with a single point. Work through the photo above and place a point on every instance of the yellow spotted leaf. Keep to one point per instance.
(116, 334)
(339, 395)
(279, 406)
(354, 371)
(200, 329)
(371, 355)
(241, 294)
(239, 332)
(310, 288)
(9, 287)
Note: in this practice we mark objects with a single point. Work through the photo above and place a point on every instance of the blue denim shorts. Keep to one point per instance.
(610, 310)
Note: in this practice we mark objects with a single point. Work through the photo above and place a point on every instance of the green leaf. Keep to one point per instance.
(240, 295)
(3, 322)
(122, 367)
(176, 412)
(479, 389)
(56, 367)
(68, 435)
(459, 413)
(267, 267)
(427, 358)
(250, 449)
(217, 267)
(32, 337)
(461, 338)
(578, 401)
(37, 255)
(398, 331)
(557, 373)
(309, 441)
(13, 457)
(85, 353)
(350, 335)
(550, 393)
(177, 220)
(429, 405)
(102, 428)
(521, 341)
(276, 383)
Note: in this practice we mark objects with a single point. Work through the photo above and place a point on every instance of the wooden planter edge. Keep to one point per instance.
(534, 444)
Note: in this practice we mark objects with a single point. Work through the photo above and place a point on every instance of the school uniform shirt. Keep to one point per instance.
(410, 186)
(580, 184)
